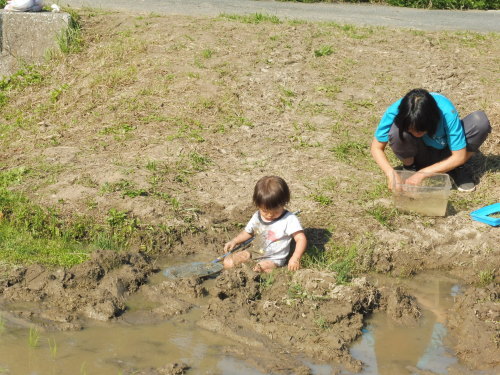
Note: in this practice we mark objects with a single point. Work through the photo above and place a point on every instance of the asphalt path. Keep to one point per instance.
(356, 14)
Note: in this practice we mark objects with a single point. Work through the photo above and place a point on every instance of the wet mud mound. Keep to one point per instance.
(173, 369)
(286, 314)
(400, 306)
(474, 323)
(96, 289)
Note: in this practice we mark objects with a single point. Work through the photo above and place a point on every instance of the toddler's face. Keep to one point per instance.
(270, 215)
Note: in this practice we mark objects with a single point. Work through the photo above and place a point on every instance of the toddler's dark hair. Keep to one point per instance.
(418, 111)
(271, 192)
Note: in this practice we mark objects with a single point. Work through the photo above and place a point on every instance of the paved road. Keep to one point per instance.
(357, 14)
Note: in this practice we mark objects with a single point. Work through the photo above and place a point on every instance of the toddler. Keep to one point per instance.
(273, 228)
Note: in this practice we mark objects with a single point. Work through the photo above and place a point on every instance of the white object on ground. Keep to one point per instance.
(55, 8)
(24, 5)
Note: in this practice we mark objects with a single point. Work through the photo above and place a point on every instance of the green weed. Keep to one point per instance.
(323, 51)
(378, 191)
(56, 93)
(486, 277)
(322, 199)
(2, 325)
(52, 347)
(199, 162)
(70, 40)
(26, 76)
(349, 150)
(151, 165)
(321, 323)
(296, 291)
(337, 258)
(253, 18)
(266, 280)
(330, 91)
(207, 53)
(34, 337)
(383, 215)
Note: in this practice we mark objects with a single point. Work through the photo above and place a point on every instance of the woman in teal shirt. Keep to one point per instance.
(425, 132)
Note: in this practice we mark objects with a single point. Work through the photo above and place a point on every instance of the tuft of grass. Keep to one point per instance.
(383, 215)
(34, 337)
(486, 277)
(323, 51)
(321, 323)
(255, 18)
(296, 291)
(207, 53)
(349, 150)
(52, 347)
(70, 40)
(337, 258)
(2, 325)
(266, 280)
(57, 92)
(322, 199)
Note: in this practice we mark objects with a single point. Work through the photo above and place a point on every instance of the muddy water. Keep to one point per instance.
(388, 348)
(426, 205)
(111, 348)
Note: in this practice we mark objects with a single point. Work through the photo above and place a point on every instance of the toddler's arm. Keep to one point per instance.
(241, 237)
(300, 248)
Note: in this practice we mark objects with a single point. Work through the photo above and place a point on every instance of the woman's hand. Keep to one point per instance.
(415, 179)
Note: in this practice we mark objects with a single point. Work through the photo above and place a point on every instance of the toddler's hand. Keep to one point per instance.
(293, 264)
(229, 246)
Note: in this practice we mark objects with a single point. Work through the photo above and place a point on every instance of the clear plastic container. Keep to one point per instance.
(428, 198)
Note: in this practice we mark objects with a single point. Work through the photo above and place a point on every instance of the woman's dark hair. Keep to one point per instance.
(271, 192)
(418, 111)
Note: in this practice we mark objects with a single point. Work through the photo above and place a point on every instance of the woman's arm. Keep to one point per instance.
(456, 159)
(300, 248)
(378, 153)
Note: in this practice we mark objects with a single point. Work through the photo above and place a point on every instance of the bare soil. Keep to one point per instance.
(198, 109)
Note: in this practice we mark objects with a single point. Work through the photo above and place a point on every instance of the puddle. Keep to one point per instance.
(110, 348)
(390, 349)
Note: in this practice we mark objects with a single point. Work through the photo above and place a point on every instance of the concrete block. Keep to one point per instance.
(25, 37)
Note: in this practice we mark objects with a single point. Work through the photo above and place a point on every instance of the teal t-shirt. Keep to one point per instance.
(450, 132)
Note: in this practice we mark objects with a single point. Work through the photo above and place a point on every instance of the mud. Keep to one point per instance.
(96, 289)
(259, 101)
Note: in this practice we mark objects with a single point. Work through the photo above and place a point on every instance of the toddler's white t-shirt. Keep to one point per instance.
(273, 238)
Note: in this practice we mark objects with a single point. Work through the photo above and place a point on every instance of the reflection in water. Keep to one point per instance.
(391, 349)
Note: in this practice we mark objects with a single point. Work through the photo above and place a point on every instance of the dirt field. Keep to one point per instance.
(171, 120)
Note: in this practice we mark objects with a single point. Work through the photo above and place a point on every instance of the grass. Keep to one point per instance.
(384, 215)
(52, 347)
(348, 151)
(426, 4)
(337, 258)
(486, 277)
(34, 337)
(255, 18)
(34, 234)
(70, 40)
(323, 51)
(266, 280)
